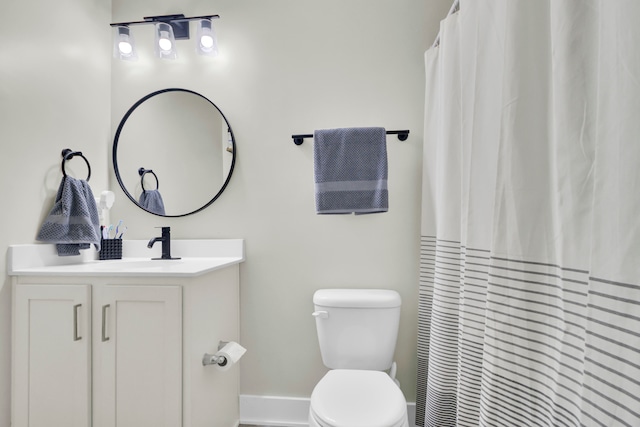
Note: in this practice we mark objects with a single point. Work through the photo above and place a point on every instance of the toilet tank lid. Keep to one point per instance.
(357, 298)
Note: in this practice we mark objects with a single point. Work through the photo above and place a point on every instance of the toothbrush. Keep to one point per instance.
(121, 234)
(117, 228)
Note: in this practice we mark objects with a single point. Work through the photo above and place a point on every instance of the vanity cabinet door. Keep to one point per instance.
(52, 363)
(138, 356)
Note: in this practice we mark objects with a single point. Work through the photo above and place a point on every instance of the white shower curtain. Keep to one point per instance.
(529, 311)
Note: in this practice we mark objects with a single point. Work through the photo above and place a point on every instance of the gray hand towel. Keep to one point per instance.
(351, 170)
(152, 201)
(72, 223)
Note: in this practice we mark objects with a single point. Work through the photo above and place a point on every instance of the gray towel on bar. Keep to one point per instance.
(72, 223)
(151, 200)
(350, 170)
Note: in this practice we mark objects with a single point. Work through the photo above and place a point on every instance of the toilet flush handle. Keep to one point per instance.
(320, 314)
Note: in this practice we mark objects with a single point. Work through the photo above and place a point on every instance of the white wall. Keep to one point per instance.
(54, 94)
(292, 66)
(287, 66)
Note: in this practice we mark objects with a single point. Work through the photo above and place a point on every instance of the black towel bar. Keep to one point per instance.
(142, 172)
(402, 136)
(68, 154)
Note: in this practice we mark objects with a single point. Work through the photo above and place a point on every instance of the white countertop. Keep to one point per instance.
(197, 257)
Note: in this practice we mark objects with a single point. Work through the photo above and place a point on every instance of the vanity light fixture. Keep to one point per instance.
(206, 40)
(124, 46)
(165, 45)
(168, 29)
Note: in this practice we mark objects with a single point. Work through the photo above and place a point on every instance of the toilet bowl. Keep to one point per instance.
(356, 398)
(357, 332)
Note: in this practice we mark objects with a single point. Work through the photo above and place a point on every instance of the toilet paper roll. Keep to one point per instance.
(232, 352)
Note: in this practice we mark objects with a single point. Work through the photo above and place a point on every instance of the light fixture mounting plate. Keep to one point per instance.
(178, 22)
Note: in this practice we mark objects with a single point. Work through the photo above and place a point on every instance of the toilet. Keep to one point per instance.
(357, 332)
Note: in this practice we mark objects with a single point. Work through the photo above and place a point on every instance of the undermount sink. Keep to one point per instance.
(197, 257)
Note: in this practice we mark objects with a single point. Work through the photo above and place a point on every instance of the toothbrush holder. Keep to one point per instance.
(110, 249)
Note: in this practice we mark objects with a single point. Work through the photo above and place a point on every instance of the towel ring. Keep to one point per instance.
(142, 172)
(68, 154)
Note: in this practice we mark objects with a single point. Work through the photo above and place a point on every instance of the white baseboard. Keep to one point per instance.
(277, 411)
(274, 411)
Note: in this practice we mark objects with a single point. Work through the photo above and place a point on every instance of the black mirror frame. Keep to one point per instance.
(121, 126)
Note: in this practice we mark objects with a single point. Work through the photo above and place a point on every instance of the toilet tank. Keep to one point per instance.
(357, 328)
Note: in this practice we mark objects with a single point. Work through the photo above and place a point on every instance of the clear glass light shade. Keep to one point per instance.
(123, 44)
(165, 45)
(206, 40)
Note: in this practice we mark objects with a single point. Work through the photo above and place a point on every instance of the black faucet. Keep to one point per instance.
(166, 243)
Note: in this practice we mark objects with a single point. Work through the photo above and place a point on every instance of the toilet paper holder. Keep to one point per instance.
(214, 359)
(228, 354)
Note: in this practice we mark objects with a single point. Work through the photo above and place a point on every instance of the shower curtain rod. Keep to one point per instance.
(454, 8)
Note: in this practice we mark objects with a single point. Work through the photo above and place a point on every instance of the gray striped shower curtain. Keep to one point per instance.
(529, 310)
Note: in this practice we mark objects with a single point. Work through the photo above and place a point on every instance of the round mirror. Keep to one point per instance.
(174, 152)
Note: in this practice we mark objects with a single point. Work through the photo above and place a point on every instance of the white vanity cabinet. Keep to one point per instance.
(136, 376)
(137, 342)
(123, 349)
(52, 355)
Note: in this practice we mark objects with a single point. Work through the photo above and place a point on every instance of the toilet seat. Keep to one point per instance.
(358, 398)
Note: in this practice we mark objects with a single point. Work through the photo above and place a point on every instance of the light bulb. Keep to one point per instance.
(206, 41)
(125, 48)
(164, 42)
